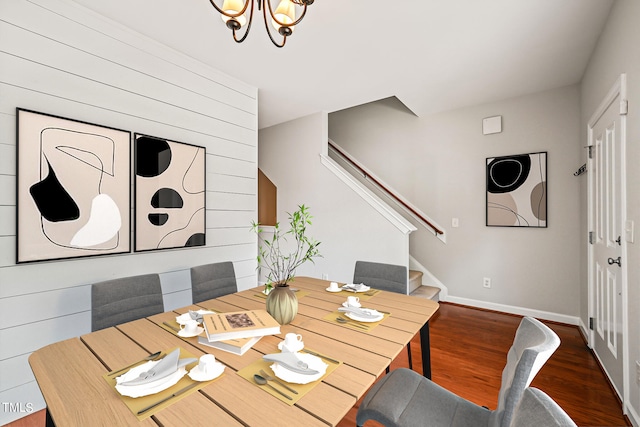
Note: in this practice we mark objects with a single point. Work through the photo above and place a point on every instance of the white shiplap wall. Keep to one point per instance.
(59, 58)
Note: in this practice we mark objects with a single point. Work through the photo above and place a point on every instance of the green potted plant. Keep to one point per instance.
(281, 254)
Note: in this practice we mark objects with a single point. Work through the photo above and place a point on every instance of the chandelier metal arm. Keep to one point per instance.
(266, 24)
(246, 33)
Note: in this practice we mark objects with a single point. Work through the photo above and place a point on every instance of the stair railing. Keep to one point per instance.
(384, 188)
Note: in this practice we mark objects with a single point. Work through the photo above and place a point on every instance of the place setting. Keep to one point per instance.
(364, 291)
(188, 325)
(352, 314)
(162, 378)
(291, 373)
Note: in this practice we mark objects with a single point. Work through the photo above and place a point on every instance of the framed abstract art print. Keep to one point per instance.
(517, 190)
(73, 188)
(169, 194)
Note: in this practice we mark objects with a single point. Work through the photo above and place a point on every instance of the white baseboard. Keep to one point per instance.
(633, 416)
(584, 329)
(522, 311)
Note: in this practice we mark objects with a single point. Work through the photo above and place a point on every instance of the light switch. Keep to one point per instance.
(454, 222)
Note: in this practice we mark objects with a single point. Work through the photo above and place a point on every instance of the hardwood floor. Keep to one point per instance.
(468, 352)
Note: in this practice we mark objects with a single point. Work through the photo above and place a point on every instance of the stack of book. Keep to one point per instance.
(238, 331)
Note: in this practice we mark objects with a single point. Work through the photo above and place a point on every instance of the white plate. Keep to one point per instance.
(197, 375)
(346, 304)
(300, 347)
(184, 318)
(183, 334)
(355, 317)
(149, 388)
(333, 290)
(362, 288)
(314, 362)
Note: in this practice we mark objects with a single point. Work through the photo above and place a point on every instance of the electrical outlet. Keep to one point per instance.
(486, 282)
(325, 276)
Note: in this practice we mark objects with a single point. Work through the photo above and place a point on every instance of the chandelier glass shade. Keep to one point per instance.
(237, 14)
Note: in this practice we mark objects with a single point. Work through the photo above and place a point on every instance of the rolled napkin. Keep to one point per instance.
(192, 315)
(165, 367)
(290, 361)
(195, 316)
(359, 287)
(366, 313)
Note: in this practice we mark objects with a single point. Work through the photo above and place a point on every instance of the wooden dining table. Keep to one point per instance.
(70, 373)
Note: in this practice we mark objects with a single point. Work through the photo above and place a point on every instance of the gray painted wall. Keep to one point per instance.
(438, 163)
(616, 53)
(58, 58)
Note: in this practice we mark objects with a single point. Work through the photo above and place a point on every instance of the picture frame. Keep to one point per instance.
(170, 194)
(516, 190)
(73, 188)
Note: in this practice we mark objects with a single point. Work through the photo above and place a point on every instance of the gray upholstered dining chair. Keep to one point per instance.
(537, 409)
(212, 280)
(123, 300)
(388, 277)
(406, 398)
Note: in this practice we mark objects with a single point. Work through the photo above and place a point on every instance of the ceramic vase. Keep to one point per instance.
(282, 304)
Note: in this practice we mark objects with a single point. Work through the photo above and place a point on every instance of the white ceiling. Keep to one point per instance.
(434, 55)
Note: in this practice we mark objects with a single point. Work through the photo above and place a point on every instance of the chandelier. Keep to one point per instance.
(283, 18)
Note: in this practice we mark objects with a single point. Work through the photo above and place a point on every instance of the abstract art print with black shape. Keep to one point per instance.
(169, 194)
(517, 190)
(73, 189)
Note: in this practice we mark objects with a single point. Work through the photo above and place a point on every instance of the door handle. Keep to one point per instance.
(612, 261)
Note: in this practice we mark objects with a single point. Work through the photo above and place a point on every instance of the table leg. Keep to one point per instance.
(48, 420)
(426, 350)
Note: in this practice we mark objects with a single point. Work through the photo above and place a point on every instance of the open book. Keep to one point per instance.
(239, 324)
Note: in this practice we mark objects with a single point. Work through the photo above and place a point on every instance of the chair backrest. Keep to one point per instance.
(388, 277)
(126, 299)
(537, 409)
(532, 346)
(212, 280)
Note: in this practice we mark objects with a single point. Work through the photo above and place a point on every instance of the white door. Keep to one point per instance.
(607, 263)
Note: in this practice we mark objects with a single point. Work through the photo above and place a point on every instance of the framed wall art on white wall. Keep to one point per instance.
(169, 194)
(517, 190)
(73, 190)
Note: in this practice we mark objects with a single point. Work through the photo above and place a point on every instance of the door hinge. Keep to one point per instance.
(624, 107)
(590, 151)
(591, 237)
(591, 323)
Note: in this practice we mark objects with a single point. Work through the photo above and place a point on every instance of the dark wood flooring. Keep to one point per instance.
(468, 351)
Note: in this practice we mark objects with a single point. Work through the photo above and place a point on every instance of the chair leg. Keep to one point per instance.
(409, 354)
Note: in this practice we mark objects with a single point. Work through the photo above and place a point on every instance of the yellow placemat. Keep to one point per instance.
(353, 324)
(182, 389)
(249, 371)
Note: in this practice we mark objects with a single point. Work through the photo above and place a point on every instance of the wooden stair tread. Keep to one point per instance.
(430, 292)
(414, 274)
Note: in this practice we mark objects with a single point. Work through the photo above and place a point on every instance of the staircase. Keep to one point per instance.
(417, 289)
